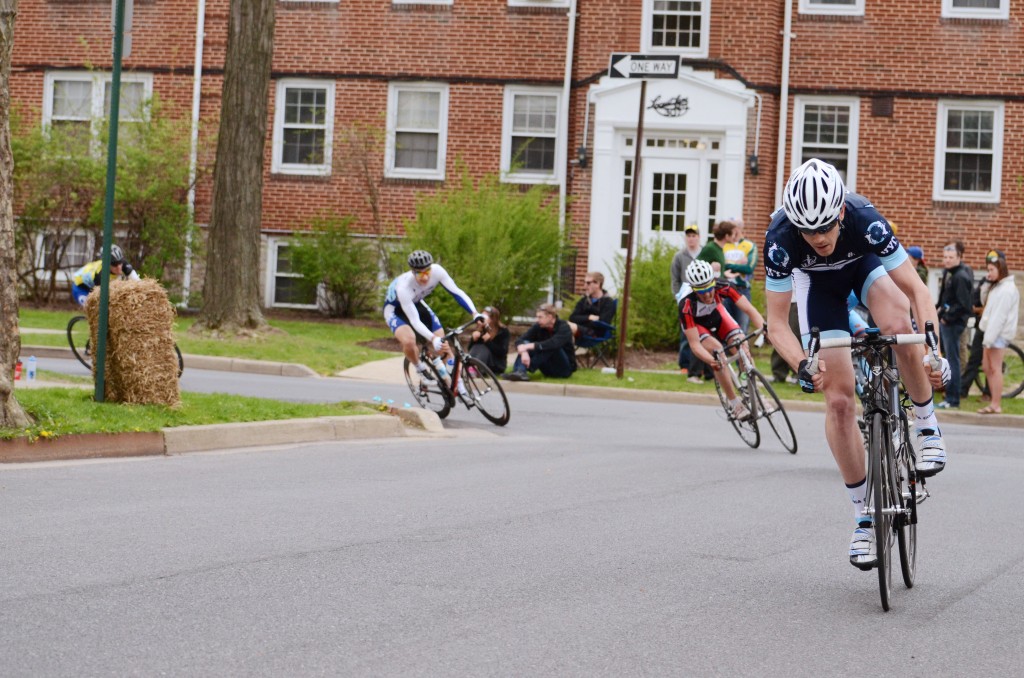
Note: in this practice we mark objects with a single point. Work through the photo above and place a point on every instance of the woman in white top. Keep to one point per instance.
(999, 323)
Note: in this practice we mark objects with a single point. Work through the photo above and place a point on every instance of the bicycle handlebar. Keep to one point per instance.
(873, 339)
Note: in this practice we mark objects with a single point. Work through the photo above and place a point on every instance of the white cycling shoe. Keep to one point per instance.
(931, 452)
(740, 412)
(862, 547)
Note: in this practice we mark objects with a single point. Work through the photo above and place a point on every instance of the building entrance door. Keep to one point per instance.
(670, 198)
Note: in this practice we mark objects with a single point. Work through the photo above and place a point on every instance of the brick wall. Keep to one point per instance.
(899, 48)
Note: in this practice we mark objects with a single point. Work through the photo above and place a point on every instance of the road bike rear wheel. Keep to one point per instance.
(747, 429)
(906, 525)
(1013, 373)
(770, 407)
(78, 339)
(879, 491)
(485, 392)
(430, 392)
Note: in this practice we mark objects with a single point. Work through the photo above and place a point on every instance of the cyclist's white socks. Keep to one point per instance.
(924, 416)
(735, 401)
(421, 367)
(858, 494)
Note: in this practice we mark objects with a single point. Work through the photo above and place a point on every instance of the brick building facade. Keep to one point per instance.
(920, 103)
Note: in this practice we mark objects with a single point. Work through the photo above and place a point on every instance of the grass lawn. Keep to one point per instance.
(62, 411)
(326, 347)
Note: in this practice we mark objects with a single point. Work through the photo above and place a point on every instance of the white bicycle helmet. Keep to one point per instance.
(700, 274)
(814, 195)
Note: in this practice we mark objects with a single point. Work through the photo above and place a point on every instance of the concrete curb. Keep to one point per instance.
(188, 439)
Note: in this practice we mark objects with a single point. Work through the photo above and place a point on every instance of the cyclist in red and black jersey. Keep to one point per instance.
(708, 326)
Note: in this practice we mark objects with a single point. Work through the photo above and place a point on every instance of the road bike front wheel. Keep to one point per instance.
(746, 428)
(428, 389)
(770, 407)
(880, 494)
(78, 339)
(484, 392)
(906, 525)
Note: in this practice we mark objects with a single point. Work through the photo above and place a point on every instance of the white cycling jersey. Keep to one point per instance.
(405, 292)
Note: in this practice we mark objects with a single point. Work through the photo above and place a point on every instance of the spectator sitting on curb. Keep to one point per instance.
(547, 346)
(489, 341)
(593, 306)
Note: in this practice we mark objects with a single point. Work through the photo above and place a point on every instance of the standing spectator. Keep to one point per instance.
(740, 259)
(916, 255)
(691, 250)
(976, 349)
(714, 251)
(547, 346)
(489, 341)
(595, 305)
(954, 309)
(999, 323)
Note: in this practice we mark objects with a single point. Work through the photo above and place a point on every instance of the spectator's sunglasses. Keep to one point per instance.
(993, 257)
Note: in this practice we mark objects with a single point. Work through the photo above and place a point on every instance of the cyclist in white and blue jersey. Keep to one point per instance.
(821, 245)
(406, 312)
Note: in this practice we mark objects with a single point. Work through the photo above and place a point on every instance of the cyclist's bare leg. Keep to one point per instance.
(406, 337)
(721, 376)
(891, 310)
(841, 429)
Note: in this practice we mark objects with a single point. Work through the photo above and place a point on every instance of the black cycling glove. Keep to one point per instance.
(805, 377)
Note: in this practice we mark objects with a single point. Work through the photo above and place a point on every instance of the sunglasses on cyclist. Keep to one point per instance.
(704, 290)
(827, 228)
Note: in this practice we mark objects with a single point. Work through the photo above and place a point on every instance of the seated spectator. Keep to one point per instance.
(547, 346)
(593, 306)
(489, 341)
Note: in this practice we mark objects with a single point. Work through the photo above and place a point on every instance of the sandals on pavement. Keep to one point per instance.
(988, 409)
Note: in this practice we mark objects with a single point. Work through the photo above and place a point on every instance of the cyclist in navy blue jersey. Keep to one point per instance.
(822, 244)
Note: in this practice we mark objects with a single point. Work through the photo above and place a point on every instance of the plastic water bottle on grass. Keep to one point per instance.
(30, 368)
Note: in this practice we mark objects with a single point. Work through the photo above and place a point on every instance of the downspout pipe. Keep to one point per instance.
(563, 138)
(780, 162)
(193, 156)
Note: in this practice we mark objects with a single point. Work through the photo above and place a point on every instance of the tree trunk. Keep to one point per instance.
(11, 413)
(231, 298)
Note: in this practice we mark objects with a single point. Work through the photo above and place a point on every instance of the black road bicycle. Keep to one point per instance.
(79, 340)
(894, 487)
(1013, 367)
(756, 393)
(482, 389)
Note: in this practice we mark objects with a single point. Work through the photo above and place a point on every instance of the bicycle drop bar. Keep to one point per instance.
(873, 338)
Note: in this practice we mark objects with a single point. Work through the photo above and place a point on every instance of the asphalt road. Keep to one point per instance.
(588, 537)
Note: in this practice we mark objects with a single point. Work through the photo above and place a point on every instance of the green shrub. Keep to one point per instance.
(653, 313)
(502, 244)
(345, 266)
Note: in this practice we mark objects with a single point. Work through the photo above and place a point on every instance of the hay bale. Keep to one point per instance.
(141, 365)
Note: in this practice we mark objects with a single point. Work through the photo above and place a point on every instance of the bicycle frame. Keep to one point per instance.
(894, 488)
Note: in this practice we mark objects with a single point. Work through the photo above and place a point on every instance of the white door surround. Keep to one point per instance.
(699, 138)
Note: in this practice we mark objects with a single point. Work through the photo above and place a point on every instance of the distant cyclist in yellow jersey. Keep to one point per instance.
(87, 277)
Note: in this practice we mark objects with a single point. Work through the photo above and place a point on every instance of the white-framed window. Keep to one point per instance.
(538, 3)
(79, 101)
(303, 127)
(530, 130)
(417, 136)
(283, 288)
(676, 27)
(834, 7)
(968, 151)
(826, 128)
(976, 9)
(78, 251)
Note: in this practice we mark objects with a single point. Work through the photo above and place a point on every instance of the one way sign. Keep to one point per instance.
(643, 66)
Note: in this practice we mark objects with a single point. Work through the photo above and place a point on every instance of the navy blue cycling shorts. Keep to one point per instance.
(821, 295)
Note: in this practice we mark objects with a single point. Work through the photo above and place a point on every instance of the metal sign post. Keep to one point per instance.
(108, 211)
(642, 66)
